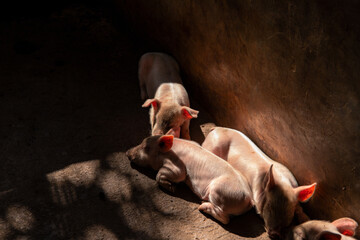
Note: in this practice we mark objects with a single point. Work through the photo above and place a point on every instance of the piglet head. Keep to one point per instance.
(342, 228)
(146, 154)
(168, 115)
(279, 203)
(171, 116)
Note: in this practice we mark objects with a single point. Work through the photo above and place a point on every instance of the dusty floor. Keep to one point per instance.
(70, 108)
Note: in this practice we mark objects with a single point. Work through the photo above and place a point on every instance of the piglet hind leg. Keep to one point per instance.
(214, 211)
(226, 197)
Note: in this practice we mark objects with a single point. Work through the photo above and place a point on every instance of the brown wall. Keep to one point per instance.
(286, 73)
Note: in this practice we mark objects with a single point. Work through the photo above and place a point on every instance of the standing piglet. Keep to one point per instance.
(340, 229)
(275, 192)
(161, 86)
(224, 191)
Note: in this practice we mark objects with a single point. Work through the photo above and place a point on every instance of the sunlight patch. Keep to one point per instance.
(99, 232)
(79, 174)
(4, 229)
(116, 186)
(20, 218)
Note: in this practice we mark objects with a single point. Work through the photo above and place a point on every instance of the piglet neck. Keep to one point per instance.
(157, 164)
(259, 201)
(183, 149)
(164, 157)
(258, 193)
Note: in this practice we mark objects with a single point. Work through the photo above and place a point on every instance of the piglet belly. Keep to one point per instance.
(199, 187)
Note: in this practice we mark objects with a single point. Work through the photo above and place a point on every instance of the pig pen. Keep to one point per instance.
(71, 108)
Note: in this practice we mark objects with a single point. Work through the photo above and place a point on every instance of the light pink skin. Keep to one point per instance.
(161, 88)
(224, 191)
(342, 228)
(275, 191)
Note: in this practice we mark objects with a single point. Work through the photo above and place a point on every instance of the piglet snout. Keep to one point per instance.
(129, 155)
(174, 131)
(157, 132)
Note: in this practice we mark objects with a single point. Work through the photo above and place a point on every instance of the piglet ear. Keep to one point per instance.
(304, 193)
(153, 102)
(326, 235)
(165, 142)
(346, 226)
(269, 181)
(189, 113)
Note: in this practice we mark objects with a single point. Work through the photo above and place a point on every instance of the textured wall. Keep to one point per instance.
(284, 72)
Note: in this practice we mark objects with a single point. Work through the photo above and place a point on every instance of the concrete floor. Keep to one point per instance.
(70, 108)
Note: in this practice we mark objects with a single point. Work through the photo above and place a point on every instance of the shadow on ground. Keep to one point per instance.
(70, 109)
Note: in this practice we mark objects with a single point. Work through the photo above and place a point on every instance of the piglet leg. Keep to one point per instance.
(214, 211)
(224, 201)
(163, 182)
(170, 173)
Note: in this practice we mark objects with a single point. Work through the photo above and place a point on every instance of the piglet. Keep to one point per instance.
(223, 190)
(342, 228)
(161, 86)
(275, 192)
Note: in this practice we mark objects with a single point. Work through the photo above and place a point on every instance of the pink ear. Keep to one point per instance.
(166, 142)
(269, 181)
(153, 102)
(346, 226)
(189, 113)
(304, 193)
(329, 236)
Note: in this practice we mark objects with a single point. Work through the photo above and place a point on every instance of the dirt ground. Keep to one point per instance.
(70, 108)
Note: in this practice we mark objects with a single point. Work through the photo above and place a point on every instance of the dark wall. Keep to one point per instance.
(286, 73)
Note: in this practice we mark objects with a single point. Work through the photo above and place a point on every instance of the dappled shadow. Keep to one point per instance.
(150, 173)
(182, 190)
(248, 224)
(111, 201)
(71, 107)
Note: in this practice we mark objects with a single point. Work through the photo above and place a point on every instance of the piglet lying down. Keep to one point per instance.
(340, 229)
(224, 191)
(275, 191)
